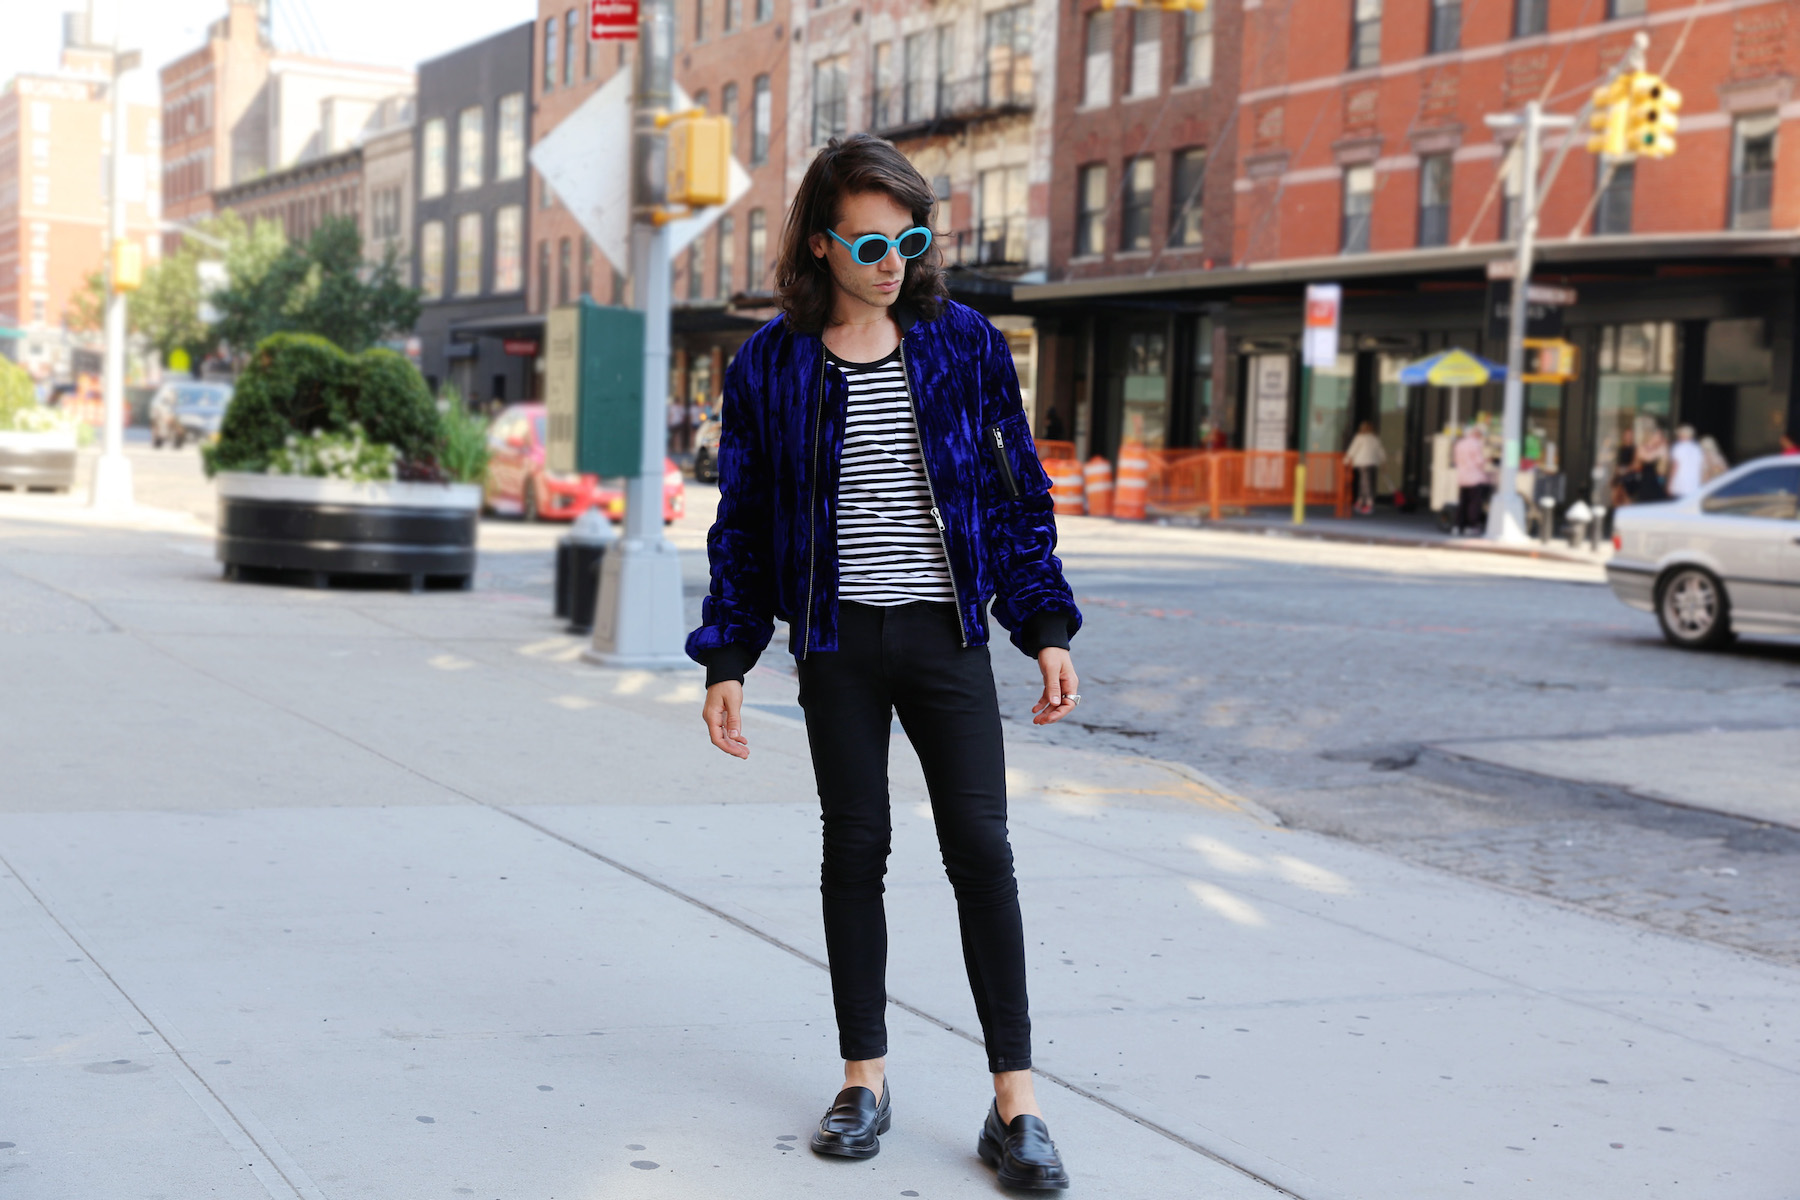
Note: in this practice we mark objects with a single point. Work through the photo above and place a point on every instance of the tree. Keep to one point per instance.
(323, 287)
(86, 312)
(166, 309)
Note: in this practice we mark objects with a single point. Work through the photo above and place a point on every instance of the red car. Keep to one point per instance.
(520, 484)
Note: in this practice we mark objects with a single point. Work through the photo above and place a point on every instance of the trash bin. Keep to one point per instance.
(578, 558)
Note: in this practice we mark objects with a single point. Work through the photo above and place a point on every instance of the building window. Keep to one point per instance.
(564, 261)
(1000, 201)
(918, 78)
(759, 251)
(468, 149)
(543, 276)
(571, 31)
(1134, 212)
(699, 20)
(431, 260)
(587, 267)
(1753, 169)
(761, 111)
(1446, 26)
(1097, 59)
(1185, 197)
(884, 100)
(1197, 47)
(765, 11)
(510, 147)
(432, 175)
(1612, 213)
(1359, 205)
(1530, 17)
(1007, 76)
(550, 25)
(468, 254)
(1434, 199)
(1365, 33)
(734, 15)
(703, 99)
(1624, 8)
(830, 99)
(509, 249)
(1090, 211)
(696, 274)
(726, 258)
(618, 288)
(946, 68)
(1146, 54)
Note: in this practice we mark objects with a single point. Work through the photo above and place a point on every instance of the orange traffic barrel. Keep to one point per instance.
(1097, 477)
(1134, 482)
(1065, 486)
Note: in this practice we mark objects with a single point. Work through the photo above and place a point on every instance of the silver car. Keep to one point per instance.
(1723, 561)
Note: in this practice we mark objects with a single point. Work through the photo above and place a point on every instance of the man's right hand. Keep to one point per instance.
(723, 714)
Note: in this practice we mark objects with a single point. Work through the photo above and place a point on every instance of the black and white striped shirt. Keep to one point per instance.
(889, 548)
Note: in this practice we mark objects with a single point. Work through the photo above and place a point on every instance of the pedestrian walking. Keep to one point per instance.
(1469, 456)
(1365, 456)
(1652, 468)
(1687, 464)
(878, 487)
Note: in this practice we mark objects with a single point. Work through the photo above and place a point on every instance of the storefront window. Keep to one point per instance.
(1328, 412)
(1390, 422)
(1145, 406)
(1207, 425)
(1739, 374)
(1636, 375)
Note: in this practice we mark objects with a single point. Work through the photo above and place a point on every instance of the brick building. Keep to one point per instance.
(731, 57)
(1361, 156)
(55, 143)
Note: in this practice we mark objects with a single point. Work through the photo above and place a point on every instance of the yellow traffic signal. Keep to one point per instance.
(1650, 128)
(1609, 119)
(699, 160)
(127, 266)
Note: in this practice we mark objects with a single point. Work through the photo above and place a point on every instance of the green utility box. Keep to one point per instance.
(594, 390)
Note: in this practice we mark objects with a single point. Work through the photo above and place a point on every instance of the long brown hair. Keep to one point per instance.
(850, 166)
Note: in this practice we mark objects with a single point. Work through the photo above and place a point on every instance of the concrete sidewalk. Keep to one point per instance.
(341, 893)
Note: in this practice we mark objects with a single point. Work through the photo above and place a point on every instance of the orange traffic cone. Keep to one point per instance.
(1097, 475)
(1065, 486)
(1134, 481)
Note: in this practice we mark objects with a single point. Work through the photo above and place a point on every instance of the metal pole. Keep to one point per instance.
(1306, 387)
(641, 621)
(112, 470)
(1506, 516)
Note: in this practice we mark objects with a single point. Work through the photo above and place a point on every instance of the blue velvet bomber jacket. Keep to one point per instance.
(773, 549)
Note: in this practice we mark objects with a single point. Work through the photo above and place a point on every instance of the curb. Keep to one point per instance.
(1249, 807)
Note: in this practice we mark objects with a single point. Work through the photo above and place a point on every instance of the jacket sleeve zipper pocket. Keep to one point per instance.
(998, 442)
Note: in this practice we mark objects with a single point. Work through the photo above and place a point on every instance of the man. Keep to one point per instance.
(1687, 464)
(878, 487)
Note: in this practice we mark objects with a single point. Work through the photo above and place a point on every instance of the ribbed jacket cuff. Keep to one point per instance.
(1046, 631)
(729, 663)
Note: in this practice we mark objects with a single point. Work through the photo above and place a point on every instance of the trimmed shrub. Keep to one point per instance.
(16, 391)
(300, 384)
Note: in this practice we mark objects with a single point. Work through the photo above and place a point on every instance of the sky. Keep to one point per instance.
(380, 32)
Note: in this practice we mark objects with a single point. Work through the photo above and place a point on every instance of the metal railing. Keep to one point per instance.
(915, 108)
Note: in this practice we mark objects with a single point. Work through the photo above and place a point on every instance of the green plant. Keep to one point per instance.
(325, 454)
(297, 383)
(16, 392)
(323, 287)
(462, 440)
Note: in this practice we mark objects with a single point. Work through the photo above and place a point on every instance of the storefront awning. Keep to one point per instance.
(511, 325)
(1651, 248)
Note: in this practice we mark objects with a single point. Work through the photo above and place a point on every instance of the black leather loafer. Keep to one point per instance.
(1022, 1152)
(853, 1127)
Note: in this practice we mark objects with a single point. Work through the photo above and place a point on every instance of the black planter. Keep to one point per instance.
(415, 533)
(26, 464)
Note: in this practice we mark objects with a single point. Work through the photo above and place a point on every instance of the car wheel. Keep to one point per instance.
(1693, 609)
(155, 442)
(528, 506)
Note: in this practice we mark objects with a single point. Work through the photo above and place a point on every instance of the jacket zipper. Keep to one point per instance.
(812, 513)
(1005, 464)
(931, 490)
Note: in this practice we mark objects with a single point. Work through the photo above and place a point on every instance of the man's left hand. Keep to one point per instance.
(1061, 689)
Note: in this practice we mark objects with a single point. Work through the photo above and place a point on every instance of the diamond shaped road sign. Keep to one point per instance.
(586, 160)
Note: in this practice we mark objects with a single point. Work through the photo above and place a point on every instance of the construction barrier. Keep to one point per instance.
(1213, 482)
(1046, 451)
(1132, 492)
(1065, 486)
(1097, 478)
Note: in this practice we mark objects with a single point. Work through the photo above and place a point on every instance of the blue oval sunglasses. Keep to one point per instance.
(871, 248)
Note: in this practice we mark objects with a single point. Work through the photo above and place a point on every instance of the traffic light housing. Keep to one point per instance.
(1651, 124)
(127, 266)
(699, 160)
(1609, 120)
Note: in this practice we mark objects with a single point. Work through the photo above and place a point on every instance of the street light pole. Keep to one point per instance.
(640, 621)
(112, 470)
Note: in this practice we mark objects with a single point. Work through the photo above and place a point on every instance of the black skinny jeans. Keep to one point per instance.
(909, 658)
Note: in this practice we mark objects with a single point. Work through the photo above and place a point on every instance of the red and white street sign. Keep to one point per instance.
(1319, 346)
(612, 20)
